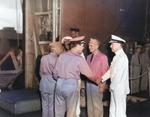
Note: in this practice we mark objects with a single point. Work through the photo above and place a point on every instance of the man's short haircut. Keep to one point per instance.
(98, 42)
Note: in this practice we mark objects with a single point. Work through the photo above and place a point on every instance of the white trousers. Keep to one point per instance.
(117, 105)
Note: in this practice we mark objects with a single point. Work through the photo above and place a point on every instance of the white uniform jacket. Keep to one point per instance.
(119, 73)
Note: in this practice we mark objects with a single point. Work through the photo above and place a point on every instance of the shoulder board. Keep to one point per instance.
(121, 54)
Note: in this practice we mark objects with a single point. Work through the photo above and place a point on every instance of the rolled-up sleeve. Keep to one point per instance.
(85, 69)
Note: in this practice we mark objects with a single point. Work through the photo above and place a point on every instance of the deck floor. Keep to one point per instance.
(134, 109)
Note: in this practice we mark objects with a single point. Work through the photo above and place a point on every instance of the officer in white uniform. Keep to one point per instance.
(119, 75)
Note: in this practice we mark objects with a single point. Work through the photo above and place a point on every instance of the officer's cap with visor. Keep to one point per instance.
(147, 45)
(138, 46)
(78, 40)
(116, 39)
(66, 39)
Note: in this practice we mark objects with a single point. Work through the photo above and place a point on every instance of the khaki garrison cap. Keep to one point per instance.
(57, 45)
(147, 45)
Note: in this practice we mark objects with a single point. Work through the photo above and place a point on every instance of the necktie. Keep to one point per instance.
(139, 58)
(91, 58)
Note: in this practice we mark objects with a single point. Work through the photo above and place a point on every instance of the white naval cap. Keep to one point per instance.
(66, 38)
(116, 39)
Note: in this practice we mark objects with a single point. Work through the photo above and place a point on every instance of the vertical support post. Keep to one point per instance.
(54, 20)
(146, 19)
(60, 12)
(23, 41)
(29, 46)
(56, 16)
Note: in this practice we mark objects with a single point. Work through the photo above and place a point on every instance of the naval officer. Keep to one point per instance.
(67, 71)
(119, 75)
(66, 43)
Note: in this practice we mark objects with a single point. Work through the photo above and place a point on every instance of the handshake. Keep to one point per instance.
(101, 84)
(99, 80)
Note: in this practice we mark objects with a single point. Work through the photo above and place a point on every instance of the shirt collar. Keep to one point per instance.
(119, 51)
(136, 53)
(53, 54)
(97, 53)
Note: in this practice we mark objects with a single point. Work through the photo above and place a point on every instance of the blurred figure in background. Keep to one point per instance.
(145, 63)
(19, 56)
(136, 69)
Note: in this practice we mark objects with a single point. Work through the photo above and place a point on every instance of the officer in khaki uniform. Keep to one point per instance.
(145, 62)
(136, 69)
(119, 75)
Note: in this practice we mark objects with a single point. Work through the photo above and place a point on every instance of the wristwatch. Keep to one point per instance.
(101, 81)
